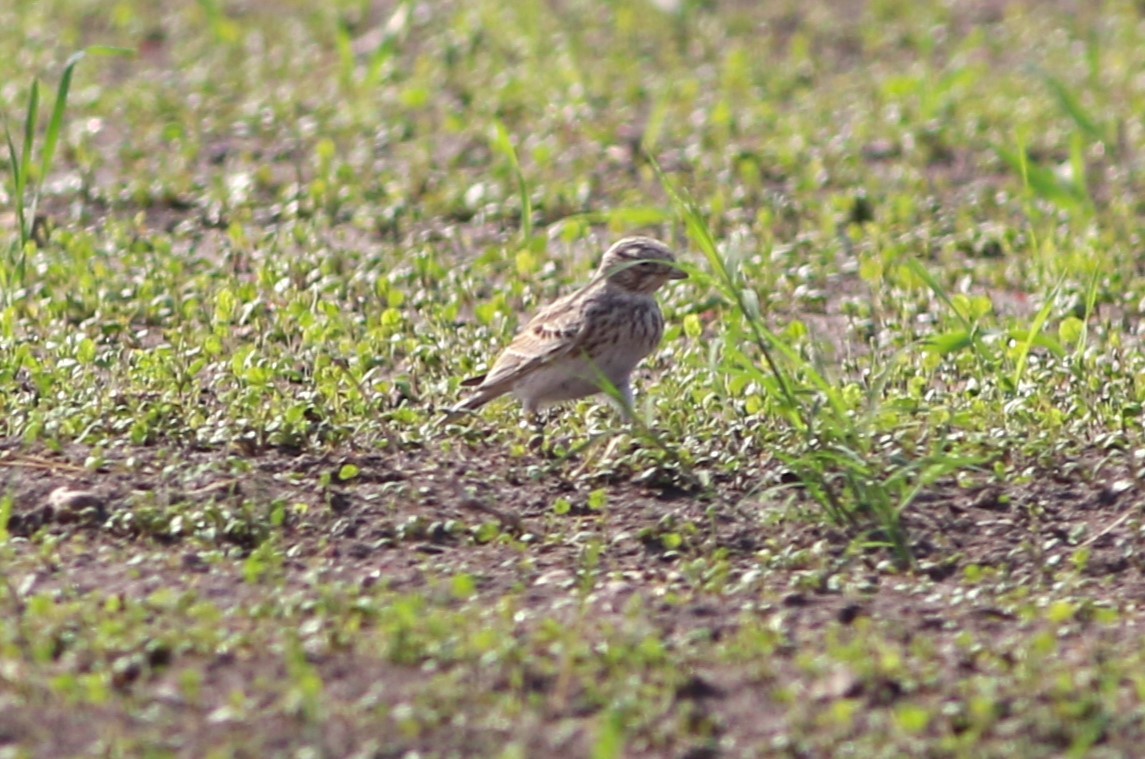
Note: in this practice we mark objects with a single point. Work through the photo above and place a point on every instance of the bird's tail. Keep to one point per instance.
(475, 401)
(467, 406)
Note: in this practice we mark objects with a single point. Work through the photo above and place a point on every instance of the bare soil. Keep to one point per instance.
(395, 526)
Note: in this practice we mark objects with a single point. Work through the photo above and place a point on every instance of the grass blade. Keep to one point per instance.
(702, 236)
(1043, 182)
(1035, 330)
(949, 343)
(52, 134)
(1090, 304)
(1070, 103)
(21, 167)
(939, 291)
(55, 123)
(18, 179)
(22, 179)
(30, 130)
(503, 144)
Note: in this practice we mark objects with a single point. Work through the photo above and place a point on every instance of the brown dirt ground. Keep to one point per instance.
(360, 534)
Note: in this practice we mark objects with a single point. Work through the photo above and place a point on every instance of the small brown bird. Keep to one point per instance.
(587, 340)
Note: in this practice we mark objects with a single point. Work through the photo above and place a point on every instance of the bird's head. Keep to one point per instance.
(639, 265)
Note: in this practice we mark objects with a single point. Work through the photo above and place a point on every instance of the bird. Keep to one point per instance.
(586, 342)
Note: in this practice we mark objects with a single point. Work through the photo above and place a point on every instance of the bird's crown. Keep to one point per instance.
(640, 264)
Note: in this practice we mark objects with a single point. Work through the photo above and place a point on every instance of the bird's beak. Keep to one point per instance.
(678, 274)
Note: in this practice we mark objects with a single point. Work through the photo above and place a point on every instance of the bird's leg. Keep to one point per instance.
(627, 406)
(622, 400)
(611, 447)
(537, 441)
(627, 402)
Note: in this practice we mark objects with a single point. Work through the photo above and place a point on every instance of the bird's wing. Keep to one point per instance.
(552, 333)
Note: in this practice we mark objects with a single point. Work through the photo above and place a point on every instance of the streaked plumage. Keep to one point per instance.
(601, 331)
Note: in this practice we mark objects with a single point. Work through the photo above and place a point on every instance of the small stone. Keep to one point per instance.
(193, 562)
(850, 613)
(795, 600)
(68, 505)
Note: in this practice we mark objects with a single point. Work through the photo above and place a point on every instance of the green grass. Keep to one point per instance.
(880, 494)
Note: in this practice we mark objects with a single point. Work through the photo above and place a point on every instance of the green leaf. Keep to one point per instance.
(693, 327)
(972, 308)
(463, 587)
(948, 343)
(1038, 340)
(225, 304)
(610, 736)
(912, 718)
(980, 306)
(5, 516)
(1060, 612)
(86, 351)
(487, 532)
(527, 262)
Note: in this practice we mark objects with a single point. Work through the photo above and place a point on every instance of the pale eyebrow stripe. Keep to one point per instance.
(636, 252)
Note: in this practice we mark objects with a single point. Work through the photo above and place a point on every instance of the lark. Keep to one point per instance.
(589, 340)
